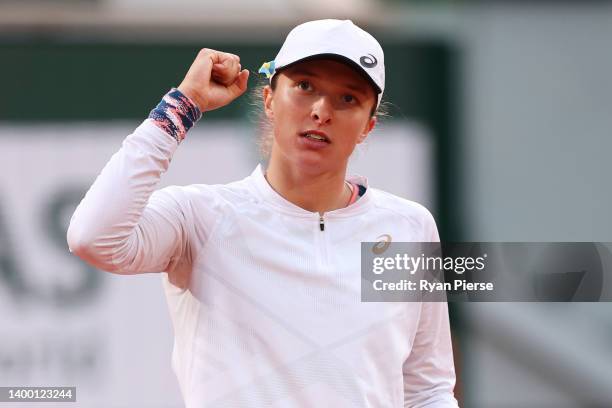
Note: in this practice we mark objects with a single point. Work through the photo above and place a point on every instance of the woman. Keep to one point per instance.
(263, 274)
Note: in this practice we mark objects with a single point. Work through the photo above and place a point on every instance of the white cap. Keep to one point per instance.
(337, 39)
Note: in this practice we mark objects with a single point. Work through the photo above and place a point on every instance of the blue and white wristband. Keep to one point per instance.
(175, 114)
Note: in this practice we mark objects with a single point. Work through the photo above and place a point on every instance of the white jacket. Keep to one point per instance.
(265, 305)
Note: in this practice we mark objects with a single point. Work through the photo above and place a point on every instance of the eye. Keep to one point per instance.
(304, 85)
(348, 98)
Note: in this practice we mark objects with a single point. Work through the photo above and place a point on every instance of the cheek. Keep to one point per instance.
(288, 113)
(285, 122)
(356, 125)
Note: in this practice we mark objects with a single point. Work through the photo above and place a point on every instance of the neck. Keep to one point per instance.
(316, 192)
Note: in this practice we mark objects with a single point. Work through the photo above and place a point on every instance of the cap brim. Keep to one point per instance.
(339, 58)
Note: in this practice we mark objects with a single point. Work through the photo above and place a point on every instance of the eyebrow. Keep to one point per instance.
(350, 85)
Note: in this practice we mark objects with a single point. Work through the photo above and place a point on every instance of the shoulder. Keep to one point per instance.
(400, 205)
(215, 195)
(416, 214)
(199, 208)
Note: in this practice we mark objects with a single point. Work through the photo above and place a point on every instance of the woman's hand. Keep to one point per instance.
(214, 79)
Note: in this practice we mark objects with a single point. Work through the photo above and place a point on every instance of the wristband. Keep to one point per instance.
(175, 114)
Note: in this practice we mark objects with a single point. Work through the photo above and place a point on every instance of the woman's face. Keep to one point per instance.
(319, 110)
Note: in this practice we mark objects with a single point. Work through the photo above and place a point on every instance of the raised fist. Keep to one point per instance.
(214, 79)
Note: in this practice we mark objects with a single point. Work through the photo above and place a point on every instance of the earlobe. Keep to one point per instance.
(368, 129)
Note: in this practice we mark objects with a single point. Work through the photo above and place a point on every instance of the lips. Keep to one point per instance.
(315, 135)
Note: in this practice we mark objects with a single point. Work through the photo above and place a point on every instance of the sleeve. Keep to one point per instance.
(429, 370)
(112, 228)
(121, 225)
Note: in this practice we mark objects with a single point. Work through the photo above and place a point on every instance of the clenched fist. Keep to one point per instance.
(214, 79)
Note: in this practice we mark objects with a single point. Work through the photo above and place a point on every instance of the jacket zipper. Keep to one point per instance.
(321, 238)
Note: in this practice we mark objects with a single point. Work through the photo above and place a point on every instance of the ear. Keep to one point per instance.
(268, 95)
(368, 128)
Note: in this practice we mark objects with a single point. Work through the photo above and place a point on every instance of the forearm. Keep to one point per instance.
(429, 372)
(108, 225)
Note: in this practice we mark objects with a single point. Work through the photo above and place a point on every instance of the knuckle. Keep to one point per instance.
(207, 53)
(231, 57)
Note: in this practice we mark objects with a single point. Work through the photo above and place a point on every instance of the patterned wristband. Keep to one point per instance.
(175, 114)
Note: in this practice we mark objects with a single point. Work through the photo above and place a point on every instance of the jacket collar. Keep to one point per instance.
(270, 196)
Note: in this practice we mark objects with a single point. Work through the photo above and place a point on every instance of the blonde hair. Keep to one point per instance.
(265, 129)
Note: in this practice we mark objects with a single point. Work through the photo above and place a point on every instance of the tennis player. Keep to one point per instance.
(262, 275)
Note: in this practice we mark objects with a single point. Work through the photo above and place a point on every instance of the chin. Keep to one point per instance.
(310, 162)
(311, 165)
(316, 164)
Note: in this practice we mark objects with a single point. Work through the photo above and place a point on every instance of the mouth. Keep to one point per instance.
(315, 135)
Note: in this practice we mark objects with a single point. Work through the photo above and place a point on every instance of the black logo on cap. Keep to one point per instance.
(368, 61)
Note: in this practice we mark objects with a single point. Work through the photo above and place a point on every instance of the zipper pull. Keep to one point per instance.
(321, 223)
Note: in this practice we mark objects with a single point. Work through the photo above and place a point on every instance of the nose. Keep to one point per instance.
(322, 111)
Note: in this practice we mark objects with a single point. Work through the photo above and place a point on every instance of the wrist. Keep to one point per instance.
(175, 114)
(193, 96)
